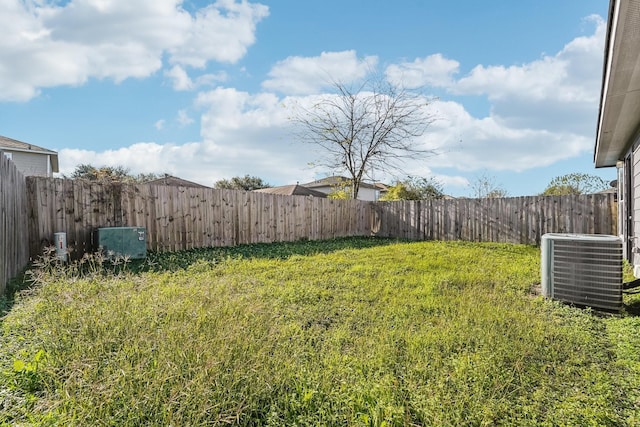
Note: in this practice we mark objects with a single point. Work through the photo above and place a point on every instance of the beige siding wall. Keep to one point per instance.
(635, 206)
(365, 194)
(31, 164)
(368, 194)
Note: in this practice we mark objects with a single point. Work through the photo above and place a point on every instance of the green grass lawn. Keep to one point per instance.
(349, 332)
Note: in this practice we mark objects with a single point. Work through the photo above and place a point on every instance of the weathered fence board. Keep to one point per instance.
(14, 237)
(183, 218)
(510, 220)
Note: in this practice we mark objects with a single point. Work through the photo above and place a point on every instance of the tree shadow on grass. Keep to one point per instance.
(633, 308)
(15, 285)
(173, 261)
(631, 296)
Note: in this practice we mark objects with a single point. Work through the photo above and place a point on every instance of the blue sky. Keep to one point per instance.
(203, 90)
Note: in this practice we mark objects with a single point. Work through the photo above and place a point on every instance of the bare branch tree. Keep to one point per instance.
(368, 129)
(485, 187)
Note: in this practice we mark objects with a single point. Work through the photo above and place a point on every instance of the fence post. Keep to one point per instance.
(202, 217)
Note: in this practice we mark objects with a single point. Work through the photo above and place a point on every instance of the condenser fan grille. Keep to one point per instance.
(583, 269)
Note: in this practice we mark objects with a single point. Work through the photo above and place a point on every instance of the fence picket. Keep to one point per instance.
(182, 218)
(15, 218)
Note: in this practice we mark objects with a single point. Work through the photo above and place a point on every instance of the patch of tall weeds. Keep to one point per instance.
(427, 333)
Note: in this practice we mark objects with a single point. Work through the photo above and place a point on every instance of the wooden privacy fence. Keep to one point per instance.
(14, 241)
(509, 220)
(182, 217)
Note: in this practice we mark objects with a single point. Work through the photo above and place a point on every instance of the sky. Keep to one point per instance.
(206, 90)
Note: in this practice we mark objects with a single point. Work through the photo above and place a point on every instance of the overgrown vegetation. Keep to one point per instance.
(575, 183)
(349, 332)
(414, 188)
(111, 174)
(244, 183)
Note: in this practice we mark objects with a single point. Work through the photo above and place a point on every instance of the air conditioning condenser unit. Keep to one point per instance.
(583, 269)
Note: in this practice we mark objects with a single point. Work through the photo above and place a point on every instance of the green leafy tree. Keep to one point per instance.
(110, 174)
(485, 187)
(343, 194)
(366, 128)
(341, 190)
(246, 183)
(414, 189)
(575, 183)
(85, 171)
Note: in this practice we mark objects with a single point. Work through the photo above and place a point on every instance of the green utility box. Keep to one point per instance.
(123, 241)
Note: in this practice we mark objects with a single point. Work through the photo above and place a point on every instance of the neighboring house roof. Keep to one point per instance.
(382, 187)
(8, 144)
(292, 190)
(331, 181)
(174, 181)
(619, 115)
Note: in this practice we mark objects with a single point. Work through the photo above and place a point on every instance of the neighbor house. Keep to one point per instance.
(30, 159)
(292, 190)
(174, 181)
(618, 128)
(328, 185)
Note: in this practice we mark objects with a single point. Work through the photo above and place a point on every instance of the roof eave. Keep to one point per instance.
(619, 109)
(598, 157)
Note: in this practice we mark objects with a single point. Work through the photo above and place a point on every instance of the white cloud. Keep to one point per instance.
(541, 112)
(241, 134)
(525, 129)
(571, 75)
(455, 181)
(556, 92)
(144, 157)
(227, 110)
(307, 75)
(47, 44)
(434, 70)
(210, 79)
(179, 77)
(420, 169)
(180, 80)
(159, 125)
(184, 119)
(221, 32)
(468, 143)
(203, 162)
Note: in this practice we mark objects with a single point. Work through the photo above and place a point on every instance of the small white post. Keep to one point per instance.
(61, 246)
